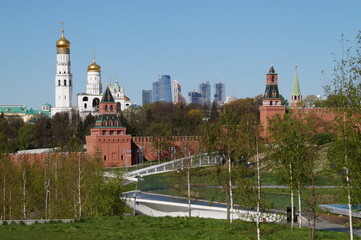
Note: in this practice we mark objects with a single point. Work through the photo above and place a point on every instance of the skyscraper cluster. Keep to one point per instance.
(162, 92)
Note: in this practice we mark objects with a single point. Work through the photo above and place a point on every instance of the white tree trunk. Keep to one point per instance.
(24, 193)
(292, 203)
(79, 188)
(299, 205)
(349, 202)
(189, 190)
(230, 189)
(4, 197)
(258, 195)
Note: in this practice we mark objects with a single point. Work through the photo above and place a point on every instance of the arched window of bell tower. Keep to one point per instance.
(64, 82)
(58, 82)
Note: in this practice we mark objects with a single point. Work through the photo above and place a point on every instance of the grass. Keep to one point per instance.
(143, 227)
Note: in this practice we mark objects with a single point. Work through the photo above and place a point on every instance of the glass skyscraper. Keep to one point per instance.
(220, 93)
(155, 92)
(195, 97)
(162, 89)
(146, 97)
(205, 91)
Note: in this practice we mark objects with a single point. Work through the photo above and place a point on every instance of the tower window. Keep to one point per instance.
(270, 103)
(106, 107)
(64, 82)
(64, 72)
(85, 105)
(273, 78)
(58, 82)
(111, 107)
(85, 99)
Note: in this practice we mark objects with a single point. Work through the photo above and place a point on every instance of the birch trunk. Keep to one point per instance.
(79, 188)
(349, 202)
(4, 197)
(24, 193)
(292, 203)
(258, 194)
(189, 191)
(299, 205)
(230, 190)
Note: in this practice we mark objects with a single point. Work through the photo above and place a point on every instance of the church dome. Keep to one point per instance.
(126, 98)
(63, 42)
(94, 67)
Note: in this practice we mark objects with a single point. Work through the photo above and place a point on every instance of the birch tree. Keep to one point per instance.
(345, 90)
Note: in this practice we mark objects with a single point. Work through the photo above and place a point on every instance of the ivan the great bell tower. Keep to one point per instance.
(63, 77)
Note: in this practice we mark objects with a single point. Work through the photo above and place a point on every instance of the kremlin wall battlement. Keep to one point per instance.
(139, 150)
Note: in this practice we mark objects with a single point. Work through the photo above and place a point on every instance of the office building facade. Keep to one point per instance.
(162, 89)
(146, 97)
(205, 91)
(177, 93)
(220, 93)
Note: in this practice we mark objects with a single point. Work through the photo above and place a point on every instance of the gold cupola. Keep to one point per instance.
(94, 67)
(62, 42)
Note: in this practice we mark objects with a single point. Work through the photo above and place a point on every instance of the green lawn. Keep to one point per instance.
(143, 227)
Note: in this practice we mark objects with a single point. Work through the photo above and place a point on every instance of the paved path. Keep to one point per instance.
(323, 224)
(31, 221)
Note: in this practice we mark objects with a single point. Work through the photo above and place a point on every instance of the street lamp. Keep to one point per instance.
(139, 178)
(172, 151)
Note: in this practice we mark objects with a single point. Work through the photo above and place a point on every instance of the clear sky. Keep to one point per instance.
(191, 40)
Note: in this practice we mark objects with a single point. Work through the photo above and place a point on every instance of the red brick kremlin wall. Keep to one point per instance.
(124, 150)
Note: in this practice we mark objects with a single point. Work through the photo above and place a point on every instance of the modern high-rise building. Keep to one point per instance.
(162, 90)
(177, 93)
(165, 88)
(146, 97)
(205, 91)
(195, 97)
(155, 92)
(220, 93)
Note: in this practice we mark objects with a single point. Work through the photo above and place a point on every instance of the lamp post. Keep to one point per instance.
(172, 151)
(139, 178)
(125, 153)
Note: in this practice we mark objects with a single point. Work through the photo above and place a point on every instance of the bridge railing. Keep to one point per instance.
(200, 160)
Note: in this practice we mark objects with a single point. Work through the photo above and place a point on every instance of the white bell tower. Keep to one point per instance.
(63, 77)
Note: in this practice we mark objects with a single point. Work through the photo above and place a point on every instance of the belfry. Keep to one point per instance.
(63, 77)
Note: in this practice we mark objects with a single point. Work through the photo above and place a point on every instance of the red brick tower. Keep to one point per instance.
(108, 138)
(272, 102)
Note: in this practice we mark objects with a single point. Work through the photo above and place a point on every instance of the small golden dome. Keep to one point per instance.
(62, 42)
(94, 67)
(126, 98)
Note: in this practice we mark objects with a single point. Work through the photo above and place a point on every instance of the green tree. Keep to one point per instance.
(27, 136)
(292, 154)
(345, 90)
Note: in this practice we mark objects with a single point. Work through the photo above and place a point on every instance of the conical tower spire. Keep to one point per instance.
(296, 95)
(296, 85)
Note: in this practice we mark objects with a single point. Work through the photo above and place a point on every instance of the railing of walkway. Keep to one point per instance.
(200, 160)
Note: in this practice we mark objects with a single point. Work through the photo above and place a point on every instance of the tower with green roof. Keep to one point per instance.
(271, 101)
(296, 96)
(108, 138)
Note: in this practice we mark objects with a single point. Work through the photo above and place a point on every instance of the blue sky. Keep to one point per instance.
(191, 40)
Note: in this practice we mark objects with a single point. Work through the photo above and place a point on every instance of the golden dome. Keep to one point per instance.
(94, 67)
(62, 42)
(126, 98)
